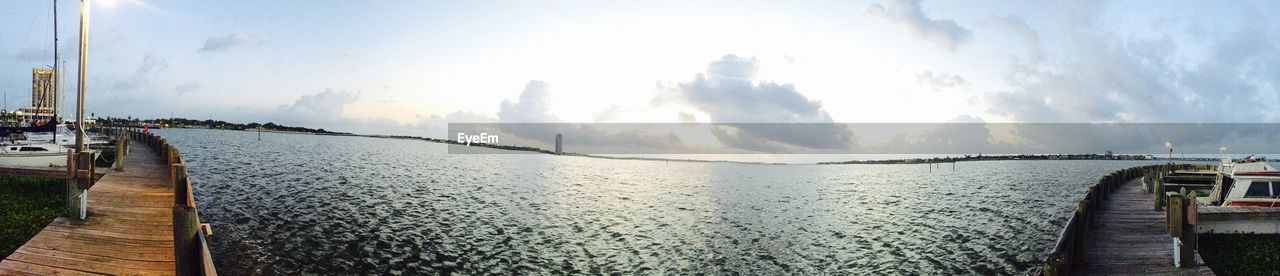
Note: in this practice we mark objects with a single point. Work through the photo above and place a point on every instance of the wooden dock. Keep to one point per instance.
(130, 230)
(1129, 237)
(1122, 226)
(130, 224)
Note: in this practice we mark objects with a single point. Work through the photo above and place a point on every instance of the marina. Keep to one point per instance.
(139, 218)
(1129, 224)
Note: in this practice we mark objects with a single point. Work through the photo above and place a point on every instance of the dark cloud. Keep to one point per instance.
(728, 93)
(151, 66)
(779, 116)
(940, 81)
(946, 33)
(232, 41)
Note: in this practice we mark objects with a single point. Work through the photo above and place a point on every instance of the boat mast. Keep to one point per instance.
(57, 73)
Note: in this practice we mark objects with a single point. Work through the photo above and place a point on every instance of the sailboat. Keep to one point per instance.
(33, 155)
(28, 153)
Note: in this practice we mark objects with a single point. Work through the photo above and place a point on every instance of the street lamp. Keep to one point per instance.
(84, 48)
(1169, 144)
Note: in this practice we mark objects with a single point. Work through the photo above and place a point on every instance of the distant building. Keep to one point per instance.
(44, 96)
(559, 144)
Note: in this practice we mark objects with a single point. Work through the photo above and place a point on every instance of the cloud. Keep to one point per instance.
(31, 55)
(187, 87)
(946, 33)
(1108, 77)
(778, 116)
(319, 107)
(232, 41)
(151, 65)
(1020, 29)
(686, 118)
(940, 81)
(609, 113)
(534, 105)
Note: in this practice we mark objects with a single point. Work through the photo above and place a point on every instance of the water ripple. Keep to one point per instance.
(301, 204)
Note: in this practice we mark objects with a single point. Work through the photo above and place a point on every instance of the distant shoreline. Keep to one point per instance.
(274, 128)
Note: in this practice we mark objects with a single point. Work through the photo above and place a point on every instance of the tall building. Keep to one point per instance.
(43, 95)
(559, 144)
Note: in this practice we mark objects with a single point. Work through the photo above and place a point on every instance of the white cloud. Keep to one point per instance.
(609, 113)
(1108, 77)
(232, 41)
(187, 87)
(946, 33)
(534, 106)
(318, 108)
(940, 81)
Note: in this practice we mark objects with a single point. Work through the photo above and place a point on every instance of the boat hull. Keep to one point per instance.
(41, 160)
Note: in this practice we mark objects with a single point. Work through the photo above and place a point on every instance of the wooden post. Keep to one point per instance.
(178, 176)
(1050, 267)
(119, 164)
(1082, 227)
(1190, 239)
(185, 229)
(174, 156)
(1159, 193)
(1174, 214)
(1095, 200)
(73, 190)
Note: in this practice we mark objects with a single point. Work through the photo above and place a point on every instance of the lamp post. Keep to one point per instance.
(84, 48)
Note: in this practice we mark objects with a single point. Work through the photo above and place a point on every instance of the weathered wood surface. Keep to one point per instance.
(1128, 237)
(129, 230)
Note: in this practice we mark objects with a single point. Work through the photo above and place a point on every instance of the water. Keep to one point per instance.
(292, 204)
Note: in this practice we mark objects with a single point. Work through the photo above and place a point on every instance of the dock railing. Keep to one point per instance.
(190, 235)
(1069, 250)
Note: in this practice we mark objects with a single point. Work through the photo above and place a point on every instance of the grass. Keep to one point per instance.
(1241, 254)
(27, 204)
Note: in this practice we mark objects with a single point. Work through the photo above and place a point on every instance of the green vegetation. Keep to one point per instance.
(27, 204)
(212, 124)
(1241, 254)
(981, 157)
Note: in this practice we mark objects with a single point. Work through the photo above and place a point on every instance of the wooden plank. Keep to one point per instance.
(40, 269)
(94, 265)
(129, 229)
(1128, 237)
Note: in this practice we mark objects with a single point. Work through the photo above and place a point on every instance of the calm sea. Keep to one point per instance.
(291, 204)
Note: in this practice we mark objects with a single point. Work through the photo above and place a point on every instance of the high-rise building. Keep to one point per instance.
(559, 144)
(43, 95)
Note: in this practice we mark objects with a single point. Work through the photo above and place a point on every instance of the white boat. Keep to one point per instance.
(1247, 184)
(33, 155)
(65, 137)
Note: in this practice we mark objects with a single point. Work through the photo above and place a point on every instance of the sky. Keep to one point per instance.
(411, 67)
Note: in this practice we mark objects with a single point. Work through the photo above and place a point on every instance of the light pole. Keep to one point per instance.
(84, 48)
